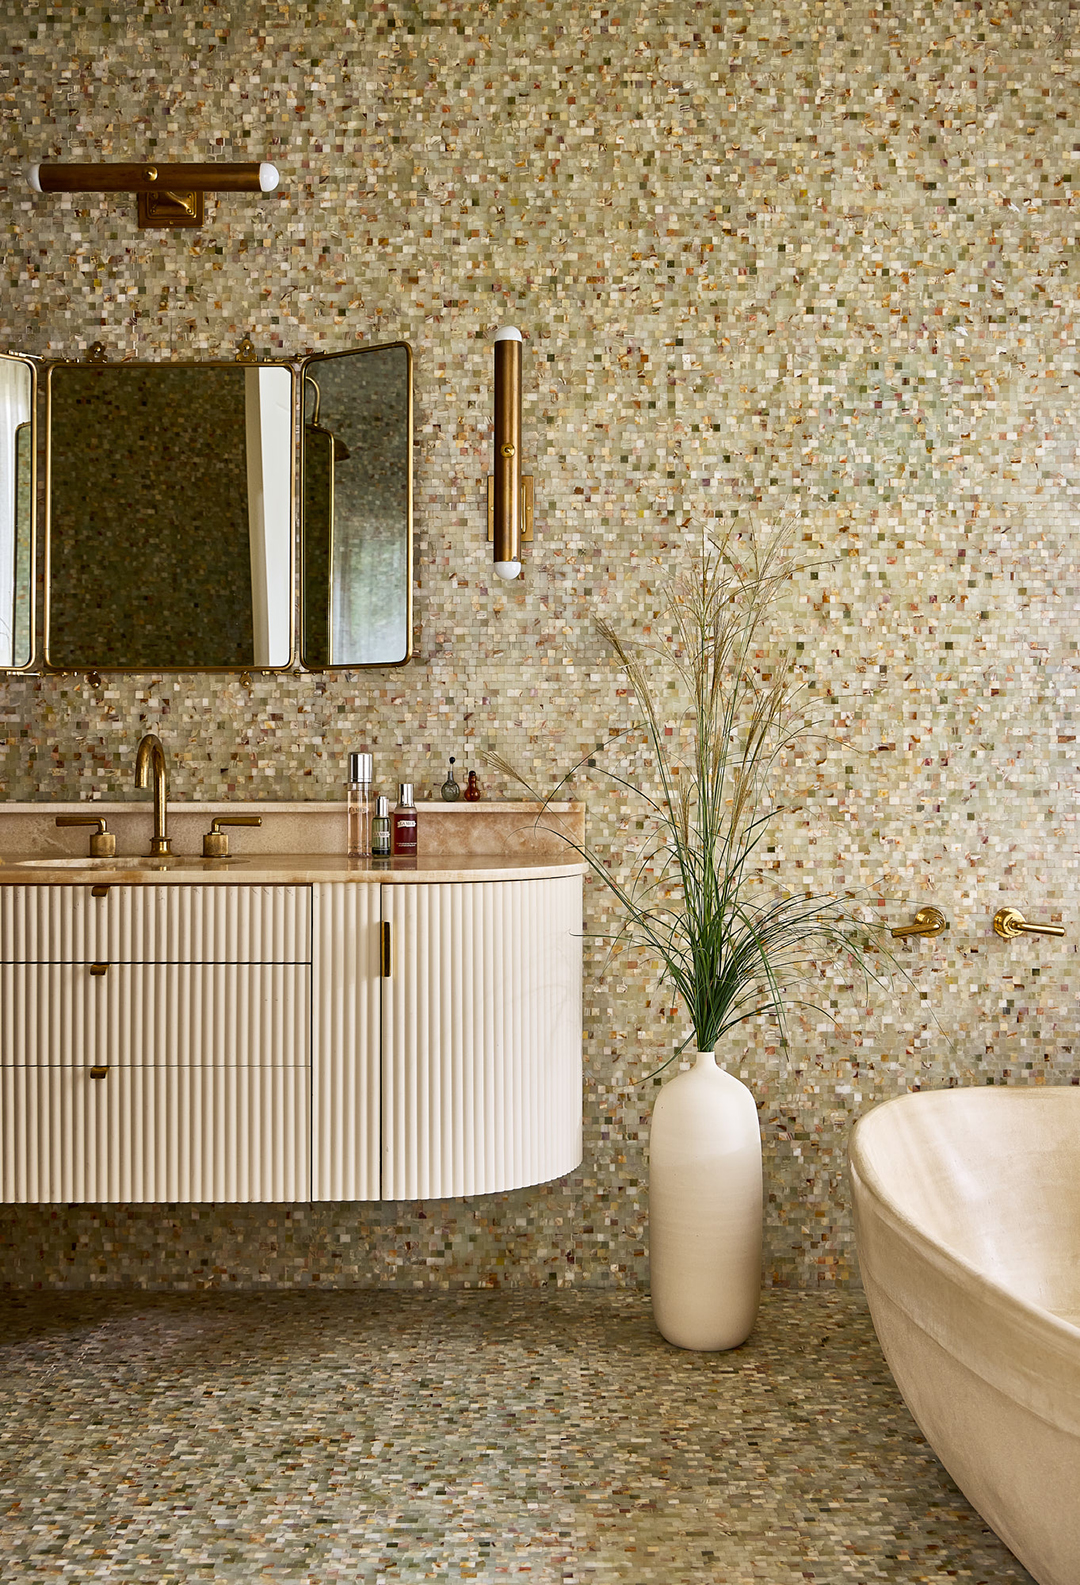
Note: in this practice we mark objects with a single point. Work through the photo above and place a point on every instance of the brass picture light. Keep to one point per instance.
(168, 195)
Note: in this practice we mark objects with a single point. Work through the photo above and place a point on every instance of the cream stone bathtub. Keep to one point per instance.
(967, 1214)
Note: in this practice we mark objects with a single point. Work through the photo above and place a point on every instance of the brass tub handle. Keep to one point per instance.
(927, 922)
(1010, 922)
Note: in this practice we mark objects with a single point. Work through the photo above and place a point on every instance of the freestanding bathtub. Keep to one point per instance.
(967, 1218)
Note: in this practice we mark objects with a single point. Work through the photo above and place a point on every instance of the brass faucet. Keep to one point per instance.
(151, 753)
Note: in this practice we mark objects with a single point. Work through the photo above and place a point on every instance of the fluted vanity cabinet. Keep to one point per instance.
(327, 1041)
(155, 1043)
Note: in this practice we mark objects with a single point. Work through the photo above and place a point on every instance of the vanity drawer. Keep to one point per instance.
(155, 924)
(124, 1015)
(154, 1134)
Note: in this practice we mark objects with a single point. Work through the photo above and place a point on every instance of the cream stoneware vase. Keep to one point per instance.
(705, 1208)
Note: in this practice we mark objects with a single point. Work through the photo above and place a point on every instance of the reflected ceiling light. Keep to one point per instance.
(169, 195)
(509, 494)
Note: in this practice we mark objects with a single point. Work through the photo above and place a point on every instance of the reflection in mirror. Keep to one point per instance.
(16, 511)
(357, 507)
(169, 533)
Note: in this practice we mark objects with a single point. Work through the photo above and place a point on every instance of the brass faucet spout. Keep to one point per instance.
(151, 753)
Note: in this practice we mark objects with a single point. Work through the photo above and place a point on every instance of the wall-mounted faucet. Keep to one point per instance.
(151, 753)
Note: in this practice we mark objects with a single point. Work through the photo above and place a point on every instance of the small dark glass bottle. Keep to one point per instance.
(403, 822)
(472, 789)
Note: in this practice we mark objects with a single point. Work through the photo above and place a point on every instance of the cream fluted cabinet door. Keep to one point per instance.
(447, 1037)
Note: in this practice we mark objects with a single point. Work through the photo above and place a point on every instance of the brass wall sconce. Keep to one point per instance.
(168, 195)
(510, 495)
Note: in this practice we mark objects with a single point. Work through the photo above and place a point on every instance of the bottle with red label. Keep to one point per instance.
(403, 822)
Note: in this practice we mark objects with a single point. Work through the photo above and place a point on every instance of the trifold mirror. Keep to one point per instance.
(172, 513)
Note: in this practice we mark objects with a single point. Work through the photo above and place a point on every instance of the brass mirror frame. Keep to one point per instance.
(51, 367)
(328, 357)
(31, 364)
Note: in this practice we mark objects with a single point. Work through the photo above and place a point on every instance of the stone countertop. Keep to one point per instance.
(281, 869)
(296, 843)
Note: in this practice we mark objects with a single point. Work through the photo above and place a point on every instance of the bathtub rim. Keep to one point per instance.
(1025, 1348)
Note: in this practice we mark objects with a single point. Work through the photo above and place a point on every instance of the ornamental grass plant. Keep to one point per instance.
(733, 941)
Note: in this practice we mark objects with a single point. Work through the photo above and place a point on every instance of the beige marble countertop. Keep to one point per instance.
(280, 869)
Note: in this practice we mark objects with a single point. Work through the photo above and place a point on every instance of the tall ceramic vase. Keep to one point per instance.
(705, 1208)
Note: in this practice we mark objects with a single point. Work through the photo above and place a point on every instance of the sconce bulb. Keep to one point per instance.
(268, 177)
(33, 178)
(508, 569)
(508, 333)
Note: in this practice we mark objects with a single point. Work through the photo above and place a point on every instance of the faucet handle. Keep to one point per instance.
(215, 844)
(102, 843)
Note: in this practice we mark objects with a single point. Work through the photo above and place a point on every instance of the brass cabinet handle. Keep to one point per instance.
(99, 891)
(927, 922)
(99, 968)
(98, 1073)
(1010, 922)
(384, 949)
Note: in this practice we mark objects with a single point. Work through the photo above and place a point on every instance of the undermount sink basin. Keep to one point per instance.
(168, 861)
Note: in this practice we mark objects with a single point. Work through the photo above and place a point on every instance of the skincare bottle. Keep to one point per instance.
(403, 822)
(380, 829)
(450, 790)
(472, 790)
(359, 805)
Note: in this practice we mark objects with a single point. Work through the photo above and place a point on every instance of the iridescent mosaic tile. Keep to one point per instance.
(816, 258)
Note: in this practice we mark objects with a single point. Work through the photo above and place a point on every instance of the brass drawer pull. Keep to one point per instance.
(98, 968)
(98, 1073)
(99, 891)
(384, 949)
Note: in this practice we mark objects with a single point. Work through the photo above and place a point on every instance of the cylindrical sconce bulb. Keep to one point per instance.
(507, 472)
(33, 178)
(268, 177)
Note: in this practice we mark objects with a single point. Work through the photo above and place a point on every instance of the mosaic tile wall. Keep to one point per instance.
(810, 257)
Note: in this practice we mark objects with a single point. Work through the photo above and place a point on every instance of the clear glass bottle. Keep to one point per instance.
(359, 805)
(380, 829)
(403, 822)
(450, 790)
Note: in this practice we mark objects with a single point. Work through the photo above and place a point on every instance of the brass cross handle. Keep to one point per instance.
(928, 922)
(1010, 922)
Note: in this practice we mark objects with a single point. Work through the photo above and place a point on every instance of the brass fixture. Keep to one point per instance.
(928, 921)
(99, 969)
(1010, 922)
(98, 1073)
(215, 844)
(385, 964)
(509, 521)
(102, 843)
(168, 195)
(99, 891)
(150, 752)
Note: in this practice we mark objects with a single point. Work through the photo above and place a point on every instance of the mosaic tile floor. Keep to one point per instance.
(376, 1436)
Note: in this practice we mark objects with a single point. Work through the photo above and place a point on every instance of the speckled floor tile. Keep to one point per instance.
(384, 1437)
